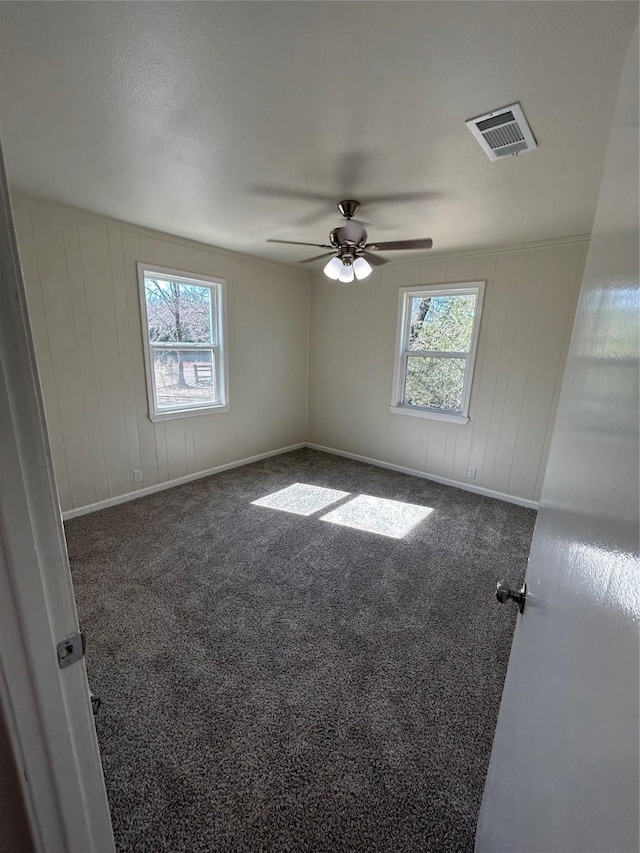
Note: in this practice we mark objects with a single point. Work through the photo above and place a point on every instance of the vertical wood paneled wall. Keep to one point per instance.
(528, 312)
(80, 274)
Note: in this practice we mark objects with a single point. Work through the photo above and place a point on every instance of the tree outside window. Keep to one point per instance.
(183, 335)
(434, 359)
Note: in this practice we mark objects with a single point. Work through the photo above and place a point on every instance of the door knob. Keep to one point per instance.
(504, 593)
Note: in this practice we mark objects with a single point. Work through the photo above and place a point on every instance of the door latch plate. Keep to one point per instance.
(71, 650)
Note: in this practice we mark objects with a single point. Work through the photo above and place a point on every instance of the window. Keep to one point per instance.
(436, 343)
(184, 342)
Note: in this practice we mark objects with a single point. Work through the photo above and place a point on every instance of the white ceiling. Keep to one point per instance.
(213, 120)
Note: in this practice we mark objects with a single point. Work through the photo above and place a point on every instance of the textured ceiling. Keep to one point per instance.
(215, 121)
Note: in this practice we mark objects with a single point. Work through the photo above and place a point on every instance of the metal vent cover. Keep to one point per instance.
(503, 132)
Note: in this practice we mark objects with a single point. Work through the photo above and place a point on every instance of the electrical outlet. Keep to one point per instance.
(471, 473)
(137, 476)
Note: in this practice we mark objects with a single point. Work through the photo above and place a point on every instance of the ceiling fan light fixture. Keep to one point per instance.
(333, 268)
(362, 268)
(351, 254)
(346, 274)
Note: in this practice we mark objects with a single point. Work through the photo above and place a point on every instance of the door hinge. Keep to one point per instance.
(71, 650)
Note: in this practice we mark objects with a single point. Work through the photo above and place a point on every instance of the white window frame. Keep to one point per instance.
(218, 287)
(405, 296)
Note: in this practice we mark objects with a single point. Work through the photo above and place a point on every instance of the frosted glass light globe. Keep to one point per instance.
(333, 268)
(362, 268)
(346, 274)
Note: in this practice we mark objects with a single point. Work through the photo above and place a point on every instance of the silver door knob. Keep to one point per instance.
(504, 593)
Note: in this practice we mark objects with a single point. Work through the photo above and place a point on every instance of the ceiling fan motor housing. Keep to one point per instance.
(349, 236)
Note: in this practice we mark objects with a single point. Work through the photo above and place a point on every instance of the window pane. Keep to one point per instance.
(178, 313)
(442, 323)
(184, 377)
(435, 382)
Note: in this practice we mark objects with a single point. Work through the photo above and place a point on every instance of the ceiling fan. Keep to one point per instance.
(352, 256)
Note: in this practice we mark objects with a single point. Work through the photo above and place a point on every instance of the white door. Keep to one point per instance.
(46, 708)
(563, 776)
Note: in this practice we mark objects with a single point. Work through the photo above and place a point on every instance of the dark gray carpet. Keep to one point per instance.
(273, 682)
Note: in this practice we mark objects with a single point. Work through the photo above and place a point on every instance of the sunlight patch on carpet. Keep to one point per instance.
(301, 499)
(378, 515)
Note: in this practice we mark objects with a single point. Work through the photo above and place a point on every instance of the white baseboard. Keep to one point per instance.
(169, 484)
(479, 490)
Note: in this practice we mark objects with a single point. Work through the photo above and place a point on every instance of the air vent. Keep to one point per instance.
(503, 132)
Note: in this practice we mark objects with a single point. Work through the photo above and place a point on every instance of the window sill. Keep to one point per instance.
(427, 413)
(187, 413)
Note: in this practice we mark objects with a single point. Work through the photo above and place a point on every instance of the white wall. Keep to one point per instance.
(80, 274)
(528, 313)
(81, 281)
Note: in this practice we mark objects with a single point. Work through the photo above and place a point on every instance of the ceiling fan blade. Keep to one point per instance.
(392, 245)
(271, 191)
(316, 258)
(396, 198)
(315, 216)
(374, 260)
(297, 243)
